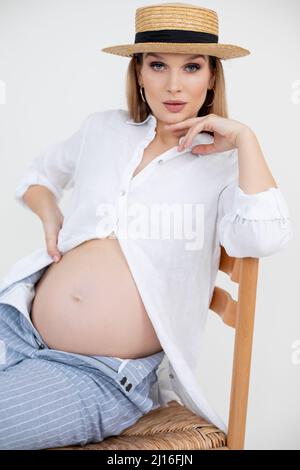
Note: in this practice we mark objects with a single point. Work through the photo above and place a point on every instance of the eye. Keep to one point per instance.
(155, 64)
(197, 66)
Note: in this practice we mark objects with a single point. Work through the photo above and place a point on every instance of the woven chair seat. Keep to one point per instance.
(171, 427)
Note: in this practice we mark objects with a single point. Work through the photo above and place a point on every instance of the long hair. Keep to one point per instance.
(139, 110)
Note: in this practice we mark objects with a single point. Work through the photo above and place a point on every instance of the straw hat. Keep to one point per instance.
(177, 27)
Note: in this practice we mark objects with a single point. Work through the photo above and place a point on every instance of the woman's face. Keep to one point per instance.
(169, 76)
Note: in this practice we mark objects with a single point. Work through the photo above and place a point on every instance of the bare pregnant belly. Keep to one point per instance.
(88, 303)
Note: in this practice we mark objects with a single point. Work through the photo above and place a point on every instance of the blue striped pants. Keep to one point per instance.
(51, 398)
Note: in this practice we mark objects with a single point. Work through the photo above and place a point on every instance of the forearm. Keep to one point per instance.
(254, 174)
(41, 201)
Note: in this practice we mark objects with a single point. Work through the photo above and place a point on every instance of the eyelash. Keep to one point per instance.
(188, 65)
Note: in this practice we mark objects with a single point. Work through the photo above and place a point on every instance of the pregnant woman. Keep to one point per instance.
(83, 336)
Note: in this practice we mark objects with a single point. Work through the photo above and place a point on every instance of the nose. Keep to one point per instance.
(173, 83)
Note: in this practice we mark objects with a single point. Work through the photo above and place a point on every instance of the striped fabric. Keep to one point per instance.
(51, 398)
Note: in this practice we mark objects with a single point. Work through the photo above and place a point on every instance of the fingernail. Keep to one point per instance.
(56, 258)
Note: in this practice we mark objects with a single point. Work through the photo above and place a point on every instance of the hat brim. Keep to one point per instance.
(222, 51)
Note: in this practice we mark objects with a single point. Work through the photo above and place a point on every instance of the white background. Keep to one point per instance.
(53, 74)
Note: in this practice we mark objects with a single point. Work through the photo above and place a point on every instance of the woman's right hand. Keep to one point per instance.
(52, 224)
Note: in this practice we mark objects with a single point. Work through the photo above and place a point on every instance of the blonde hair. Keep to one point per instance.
(139, 110)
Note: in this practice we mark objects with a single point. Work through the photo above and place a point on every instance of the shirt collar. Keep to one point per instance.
(148, 118)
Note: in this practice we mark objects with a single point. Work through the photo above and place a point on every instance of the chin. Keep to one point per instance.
(174, 117)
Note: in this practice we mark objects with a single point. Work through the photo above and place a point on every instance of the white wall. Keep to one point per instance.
(53, 74)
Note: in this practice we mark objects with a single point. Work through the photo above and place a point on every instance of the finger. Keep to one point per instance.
(54, 253)
(191, 134)
(204, 149)
(51, 247)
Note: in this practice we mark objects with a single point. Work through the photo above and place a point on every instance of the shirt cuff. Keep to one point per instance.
(23, 186)
(265, 205)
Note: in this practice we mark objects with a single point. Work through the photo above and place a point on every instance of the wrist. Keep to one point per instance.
(245, 134)
(50, 213)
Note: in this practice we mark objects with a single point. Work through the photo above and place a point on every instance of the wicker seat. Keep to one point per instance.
(174, 426)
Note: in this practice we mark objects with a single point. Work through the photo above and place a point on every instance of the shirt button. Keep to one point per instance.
(160, 161)
(123, 192)
(171, 376)
(41, 346)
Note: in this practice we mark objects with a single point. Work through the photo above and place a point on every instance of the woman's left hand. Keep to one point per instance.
(226, 133)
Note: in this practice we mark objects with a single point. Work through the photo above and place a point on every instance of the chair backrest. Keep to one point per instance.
(238, 314)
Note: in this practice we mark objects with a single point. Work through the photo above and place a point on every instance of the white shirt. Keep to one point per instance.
(175, 275)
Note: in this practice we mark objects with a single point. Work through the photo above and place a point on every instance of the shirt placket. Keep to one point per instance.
(129, 182)
(126, 180)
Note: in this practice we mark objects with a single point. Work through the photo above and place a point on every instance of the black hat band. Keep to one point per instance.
(175, 35)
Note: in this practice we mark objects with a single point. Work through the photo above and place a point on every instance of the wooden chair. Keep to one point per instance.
(176, 427)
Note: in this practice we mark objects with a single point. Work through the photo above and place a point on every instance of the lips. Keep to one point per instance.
(174, 108)
(174, 102)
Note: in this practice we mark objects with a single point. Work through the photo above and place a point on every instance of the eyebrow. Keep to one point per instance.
(160, 57)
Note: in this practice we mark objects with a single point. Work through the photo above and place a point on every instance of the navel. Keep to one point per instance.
(76, 297)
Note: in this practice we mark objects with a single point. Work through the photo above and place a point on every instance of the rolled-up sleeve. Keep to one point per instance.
(253, 225)
(54, 168)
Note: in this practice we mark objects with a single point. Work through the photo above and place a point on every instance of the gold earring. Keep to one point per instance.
(208, 105)
(141, 92)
